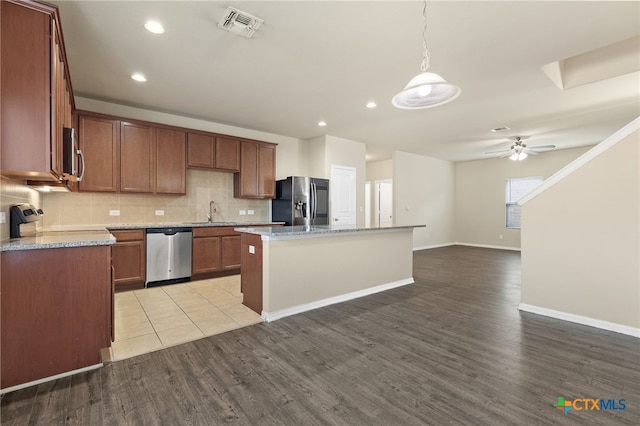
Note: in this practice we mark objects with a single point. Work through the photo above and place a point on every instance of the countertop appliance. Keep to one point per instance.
(168, 255)
(20, 214)
(301, 200)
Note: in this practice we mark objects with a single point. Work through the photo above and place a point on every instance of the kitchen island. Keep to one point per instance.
(288, 270)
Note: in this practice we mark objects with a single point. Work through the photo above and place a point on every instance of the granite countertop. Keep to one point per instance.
(272, 233)
(188, 225)
(59, 239)
(83, 236)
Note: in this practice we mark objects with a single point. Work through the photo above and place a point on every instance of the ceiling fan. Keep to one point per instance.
(519, 150)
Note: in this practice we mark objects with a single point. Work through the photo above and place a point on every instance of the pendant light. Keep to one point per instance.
(427, 89)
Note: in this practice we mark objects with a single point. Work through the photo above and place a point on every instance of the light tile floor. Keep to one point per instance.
(155, 318)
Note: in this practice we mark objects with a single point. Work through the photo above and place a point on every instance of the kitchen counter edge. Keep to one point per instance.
(59, 239)
(290, 232)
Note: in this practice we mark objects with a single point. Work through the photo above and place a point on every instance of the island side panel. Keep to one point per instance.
(308, 270)
(55, 311)
(251, 271)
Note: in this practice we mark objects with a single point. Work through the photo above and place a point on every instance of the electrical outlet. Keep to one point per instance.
(159, 212)
(114, 212)
(252, 249)
(3, 217)
(250, 212)
(243, 212)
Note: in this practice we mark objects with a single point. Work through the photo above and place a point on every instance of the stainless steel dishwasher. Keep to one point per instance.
(168, 255)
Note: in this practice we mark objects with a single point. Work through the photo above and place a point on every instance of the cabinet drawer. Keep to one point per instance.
(214, 231)
(128, 235)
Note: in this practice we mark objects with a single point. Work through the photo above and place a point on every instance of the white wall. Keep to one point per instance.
(581, 241)
(424, 195)
(480, 212)
(325, 151)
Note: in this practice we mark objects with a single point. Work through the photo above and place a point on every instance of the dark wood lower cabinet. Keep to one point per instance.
(56, 311)
(129, 259)
(216, 251)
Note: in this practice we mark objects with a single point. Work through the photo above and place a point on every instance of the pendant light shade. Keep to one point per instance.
(427, 89)
(424, 91)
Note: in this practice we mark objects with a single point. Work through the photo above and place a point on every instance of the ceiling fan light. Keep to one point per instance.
(425, 90)
(522, 156)
(514, 156)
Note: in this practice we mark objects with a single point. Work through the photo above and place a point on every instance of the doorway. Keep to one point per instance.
(383, 202)
(343, 195)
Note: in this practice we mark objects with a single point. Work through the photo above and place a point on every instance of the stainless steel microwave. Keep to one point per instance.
(72, 158)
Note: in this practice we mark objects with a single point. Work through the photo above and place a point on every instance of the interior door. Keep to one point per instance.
(384, 202)
(343, 195)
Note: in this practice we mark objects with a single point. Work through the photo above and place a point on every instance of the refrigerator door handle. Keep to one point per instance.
(314, 201)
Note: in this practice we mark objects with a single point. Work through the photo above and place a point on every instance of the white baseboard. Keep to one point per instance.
(433, 246)
(47, 379)
(591, 322)
(276, 315)
(488, 246)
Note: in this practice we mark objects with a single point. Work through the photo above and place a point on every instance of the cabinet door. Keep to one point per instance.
(128, 258)
(57, 102)
(231, 252)
(25, 92)
(200, 150)
(227, 154)
(267, 171)
(246, 182)
(137, 158)
(171, 164)
(206, 255)
(98, 140)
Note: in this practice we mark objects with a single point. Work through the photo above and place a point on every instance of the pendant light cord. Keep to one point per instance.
(426, 55)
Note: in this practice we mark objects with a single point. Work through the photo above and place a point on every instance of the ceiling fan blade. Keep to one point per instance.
(508, 154)
(502, 151)
(542, 147)
(530, 152)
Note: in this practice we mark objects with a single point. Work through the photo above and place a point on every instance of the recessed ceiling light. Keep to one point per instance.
(500, 129)
(154, 27)
(139, 77)
(322, 123)
(371, 104)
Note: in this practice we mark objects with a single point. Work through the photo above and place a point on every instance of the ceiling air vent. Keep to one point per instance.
(240, 22)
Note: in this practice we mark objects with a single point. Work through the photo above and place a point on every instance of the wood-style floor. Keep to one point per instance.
(450, 349)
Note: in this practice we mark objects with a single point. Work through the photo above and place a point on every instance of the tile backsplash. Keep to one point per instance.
(76, 210)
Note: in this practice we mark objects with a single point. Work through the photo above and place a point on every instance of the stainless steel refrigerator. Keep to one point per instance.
(301, 201)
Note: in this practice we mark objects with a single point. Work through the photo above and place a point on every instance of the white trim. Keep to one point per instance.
(47, 379)
(591, 322)
(433, 246)
(276, 315)
(489, 246)
(582, 160)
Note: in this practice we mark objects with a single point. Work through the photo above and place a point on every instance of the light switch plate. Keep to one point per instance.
(243, 212)
(114, 212)
(3, 217)
(250, 212)
(159, 212)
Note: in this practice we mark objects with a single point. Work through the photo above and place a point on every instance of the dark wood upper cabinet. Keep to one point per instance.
(171, 162)
(227, 154)
(200, 150)
(256, 178)
(213, 152)
(33, 96)
(98, 139)
(137, 158)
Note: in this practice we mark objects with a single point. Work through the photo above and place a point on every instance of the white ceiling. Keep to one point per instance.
(324, 60)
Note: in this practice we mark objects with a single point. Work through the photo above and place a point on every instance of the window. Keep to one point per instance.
(516, 189)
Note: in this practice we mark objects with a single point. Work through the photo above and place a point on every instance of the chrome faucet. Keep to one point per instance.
(212, 210)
